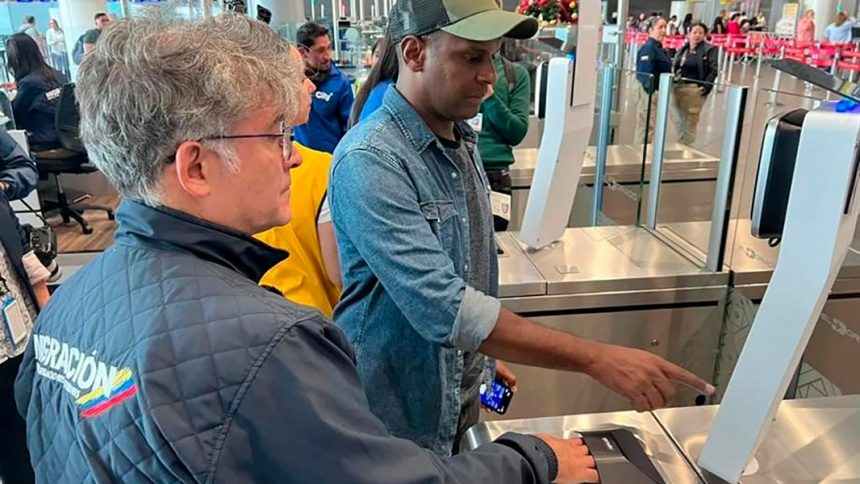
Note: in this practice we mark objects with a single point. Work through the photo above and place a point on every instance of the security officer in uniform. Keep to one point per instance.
(651, 62)
(695, 69)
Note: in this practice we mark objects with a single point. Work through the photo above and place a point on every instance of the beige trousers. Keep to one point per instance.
(642, 115)
(687, 101)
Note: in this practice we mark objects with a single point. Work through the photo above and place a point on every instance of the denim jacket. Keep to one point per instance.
(401, 221)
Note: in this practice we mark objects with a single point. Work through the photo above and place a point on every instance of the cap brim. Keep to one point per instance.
(492, 25)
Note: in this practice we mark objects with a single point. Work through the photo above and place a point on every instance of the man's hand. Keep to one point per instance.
(506, 375)
(646, 379)
(4, 186)
(574, 462)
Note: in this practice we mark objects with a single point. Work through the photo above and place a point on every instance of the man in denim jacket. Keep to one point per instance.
(414, 227)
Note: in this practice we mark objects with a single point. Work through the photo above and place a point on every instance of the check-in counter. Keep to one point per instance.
(688, 184)
(617, 284)
(812, 440)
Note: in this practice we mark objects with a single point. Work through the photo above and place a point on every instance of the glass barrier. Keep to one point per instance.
(698, 124)
(697, 179)
(632, 117)
(613, 155)
(745, 251)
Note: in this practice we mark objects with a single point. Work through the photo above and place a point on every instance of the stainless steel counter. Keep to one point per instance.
(815, 440)
(620, 285)
(615, 258)
(668, 461)
(604, 267)
(751, 259)
(624, 164)
(518, 276)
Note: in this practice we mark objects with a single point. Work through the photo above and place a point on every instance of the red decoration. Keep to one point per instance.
(561, 11)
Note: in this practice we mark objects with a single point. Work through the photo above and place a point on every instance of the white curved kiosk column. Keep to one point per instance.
(572, 86)
(819, 227)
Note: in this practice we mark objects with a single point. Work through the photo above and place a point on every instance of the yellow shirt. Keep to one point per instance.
(301, 277)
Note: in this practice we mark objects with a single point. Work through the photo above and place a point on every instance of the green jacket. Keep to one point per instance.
(505, 116)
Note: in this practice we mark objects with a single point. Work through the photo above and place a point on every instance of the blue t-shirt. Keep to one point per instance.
(329, 119)
(374, 100)
(839, 34)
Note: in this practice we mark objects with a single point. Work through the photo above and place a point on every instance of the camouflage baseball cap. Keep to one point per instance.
(478, 20)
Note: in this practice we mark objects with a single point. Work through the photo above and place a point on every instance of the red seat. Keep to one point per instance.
(740, 51)
(850, 67)
(738, 46)
(719, 40)
(757, 40)
(821, 58)
(772, 47)
(674, 43)
(794, 53)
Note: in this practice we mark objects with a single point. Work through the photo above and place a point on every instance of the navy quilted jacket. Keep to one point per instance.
(163, 361)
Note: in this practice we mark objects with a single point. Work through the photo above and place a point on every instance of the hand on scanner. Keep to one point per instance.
(646, 379)
(574, 462)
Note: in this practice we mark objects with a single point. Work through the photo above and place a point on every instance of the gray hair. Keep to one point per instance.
(155, 81)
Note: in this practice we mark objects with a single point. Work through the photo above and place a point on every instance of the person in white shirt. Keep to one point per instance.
(672, 28)
(56, 41)
(29, 28)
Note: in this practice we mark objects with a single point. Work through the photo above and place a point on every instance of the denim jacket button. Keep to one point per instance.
(453, 174)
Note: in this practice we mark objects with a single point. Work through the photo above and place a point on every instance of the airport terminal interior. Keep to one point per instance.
(636, 220)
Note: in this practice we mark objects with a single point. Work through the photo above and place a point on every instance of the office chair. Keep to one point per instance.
(70, 158)
(6, 109)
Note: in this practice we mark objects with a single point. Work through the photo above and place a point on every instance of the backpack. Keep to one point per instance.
(78, 51)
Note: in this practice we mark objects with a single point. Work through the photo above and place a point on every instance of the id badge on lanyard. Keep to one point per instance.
(12, 313)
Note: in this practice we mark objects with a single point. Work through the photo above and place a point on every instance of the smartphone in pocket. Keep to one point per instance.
(497, 397)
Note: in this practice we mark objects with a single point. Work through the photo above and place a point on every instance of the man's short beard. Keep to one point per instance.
(317, 75)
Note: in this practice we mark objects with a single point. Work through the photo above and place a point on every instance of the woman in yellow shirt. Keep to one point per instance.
(303, 277)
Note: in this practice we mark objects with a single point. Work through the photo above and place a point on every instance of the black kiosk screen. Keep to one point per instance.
(775, 173)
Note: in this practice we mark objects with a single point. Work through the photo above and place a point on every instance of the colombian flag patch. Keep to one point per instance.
(103, 399)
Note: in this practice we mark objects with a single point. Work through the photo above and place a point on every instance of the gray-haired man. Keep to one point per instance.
(163, 360)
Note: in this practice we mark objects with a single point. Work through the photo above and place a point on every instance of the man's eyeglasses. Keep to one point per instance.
(286, 136)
